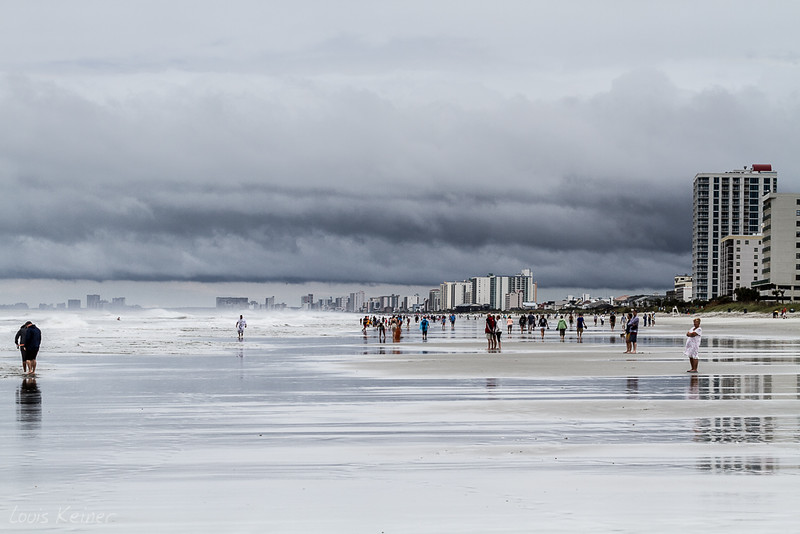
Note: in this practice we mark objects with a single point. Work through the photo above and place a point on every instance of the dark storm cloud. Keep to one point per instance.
(199, 190)
(336, 153)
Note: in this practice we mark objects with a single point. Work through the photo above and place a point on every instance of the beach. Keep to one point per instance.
(164, 421)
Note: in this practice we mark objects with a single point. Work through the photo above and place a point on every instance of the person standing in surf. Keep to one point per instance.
(241, 324)
(30, 344)
(18, 339)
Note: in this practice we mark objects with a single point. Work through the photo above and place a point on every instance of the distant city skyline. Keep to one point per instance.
(191, 295)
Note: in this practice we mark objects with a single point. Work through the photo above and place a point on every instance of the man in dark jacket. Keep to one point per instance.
(18, 339)
(31, 342)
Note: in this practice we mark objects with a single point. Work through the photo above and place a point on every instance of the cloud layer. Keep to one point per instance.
(409, 159)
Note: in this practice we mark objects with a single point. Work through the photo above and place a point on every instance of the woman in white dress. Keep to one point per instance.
(693, 345)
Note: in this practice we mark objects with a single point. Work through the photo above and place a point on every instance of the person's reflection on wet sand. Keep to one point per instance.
(632, 387)
(29, 403)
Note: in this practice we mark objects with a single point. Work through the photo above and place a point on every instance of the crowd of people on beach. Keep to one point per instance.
(530, 323)
(524, 323)
(28, 338)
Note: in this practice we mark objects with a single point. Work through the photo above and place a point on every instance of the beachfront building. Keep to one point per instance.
(728, 203)
(514, 300)
(780, 264)
(356, 301)
(92, 302)
(233, 303)
(740, 263)
(481, 290)
(454, 294)
(488, 291)
(683, 288)
(434, 300)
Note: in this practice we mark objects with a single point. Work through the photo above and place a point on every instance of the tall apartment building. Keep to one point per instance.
(233, 303)
(780, 267)
(92, 302)
(455, 294)
(434, 300)
(356, 301)
(740, 263)
(481, 290)
(724, 204)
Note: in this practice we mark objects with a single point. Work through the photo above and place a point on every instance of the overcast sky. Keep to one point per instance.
(401, 142)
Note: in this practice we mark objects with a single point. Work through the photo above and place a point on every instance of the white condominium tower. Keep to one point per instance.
(780, 268)
(727, 203)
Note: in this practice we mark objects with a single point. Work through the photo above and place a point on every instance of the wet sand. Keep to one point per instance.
(348, 435)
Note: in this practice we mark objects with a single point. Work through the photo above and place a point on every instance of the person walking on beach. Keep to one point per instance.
(612, 320)
(498, 333)
(20, 338)
(561, 327)
(633, 331)
(489, 330)
(509, 323)
(693, 345)
(381, 332)
(581, 325)
(543, 324)
(241, 324)
(423, 326)
(30, 344)
(627, 335)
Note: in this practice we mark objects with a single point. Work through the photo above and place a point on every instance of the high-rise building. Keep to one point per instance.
(780, 264)
(481, 290)
(234, 303)
(356, 302)
(724, 204)
(454, 294)
(740, 263)
(92, 302)
(434, 300)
